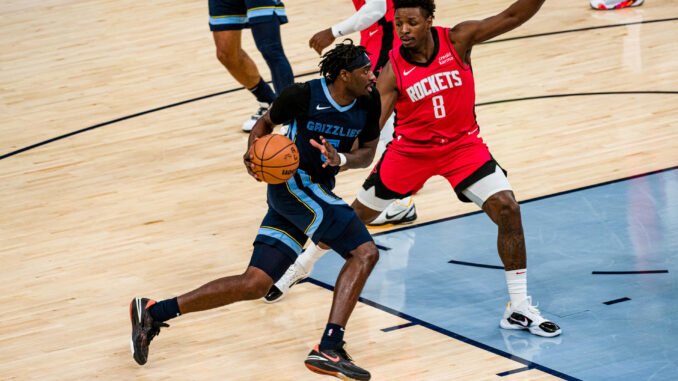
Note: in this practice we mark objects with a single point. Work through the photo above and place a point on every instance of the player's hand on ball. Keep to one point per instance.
(331, 154)
(247, 159)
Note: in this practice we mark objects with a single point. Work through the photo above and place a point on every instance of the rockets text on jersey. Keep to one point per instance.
(436, 99)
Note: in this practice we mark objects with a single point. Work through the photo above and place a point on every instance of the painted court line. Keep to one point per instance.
(629, 272)
(610, 302)
(508, 372)
(389, 329)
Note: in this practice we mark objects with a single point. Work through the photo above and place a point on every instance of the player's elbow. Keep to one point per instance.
(380, 8)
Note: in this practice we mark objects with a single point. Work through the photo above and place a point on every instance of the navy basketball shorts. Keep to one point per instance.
(300, 209)
(239, 14)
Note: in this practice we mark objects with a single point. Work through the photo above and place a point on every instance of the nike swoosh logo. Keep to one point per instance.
(389, 216)
(373, 32)
(321, 108)
(524, 323)
(471, 132)
(406, 72)
(333, 359)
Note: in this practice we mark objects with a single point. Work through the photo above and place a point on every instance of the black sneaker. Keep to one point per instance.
(144, 328)
(335, 362)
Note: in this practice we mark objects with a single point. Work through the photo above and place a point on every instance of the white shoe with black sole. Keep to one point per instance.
(399, 212)
(526, 316)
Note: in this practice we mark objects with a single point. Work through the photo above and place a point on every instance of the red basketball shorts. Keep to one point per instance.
(405, 166)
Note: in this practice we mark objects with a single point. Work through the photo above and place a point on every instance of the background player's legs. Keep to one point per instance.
(243, 69)
(234, 59)
(267, 38)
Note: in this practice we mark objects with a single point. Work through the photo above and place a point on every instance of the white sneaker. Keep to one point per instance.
(249, 123)
(527, 316)
(399, 212)
(614, 4)
(294, 274)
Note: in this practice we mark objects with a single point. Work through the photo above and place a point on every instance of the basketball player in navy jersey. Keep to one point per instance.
(374, 20)
(327, 116)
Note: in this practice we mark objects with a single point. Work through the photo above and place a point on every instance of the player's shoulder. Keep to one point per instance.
(296, 89)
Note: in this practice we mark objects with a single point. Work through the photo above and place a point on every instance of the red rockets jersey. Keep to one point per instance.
(379, 37)
(436, 99)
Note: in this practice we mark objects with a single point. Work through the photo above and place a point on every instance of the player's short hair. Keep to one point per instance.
(428, 6)
(341, 57)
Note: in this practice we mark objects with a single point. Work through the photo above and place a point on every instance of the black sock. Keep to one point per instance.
(333, 336)
(263, 92)
(164, 310)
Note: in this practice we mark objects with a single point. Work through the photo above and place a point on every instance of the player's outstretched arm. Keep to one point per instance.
(367, 15)
(469, 33)
(388, 90)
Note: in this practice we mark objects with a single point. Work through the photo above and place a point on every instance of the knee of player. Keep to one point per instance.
(271, 50)
(227, 56)
(509, 209)
(369, 254)
(254, 287)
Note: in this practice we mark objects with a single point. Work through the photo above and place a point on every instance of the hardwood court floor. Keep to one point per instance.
(158, 204)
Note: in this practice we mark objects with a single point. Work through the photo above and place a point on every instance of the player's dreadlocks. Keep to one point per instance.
(427, 5)
(341, 57)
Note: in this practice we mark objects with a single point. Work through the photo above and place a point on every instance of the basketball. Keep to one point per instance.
(275, 158)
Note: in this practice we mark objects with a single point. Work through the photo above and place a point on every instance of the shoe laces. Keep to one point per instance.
(154, 330)
(342, 352)
(532, 308)
(295, 272)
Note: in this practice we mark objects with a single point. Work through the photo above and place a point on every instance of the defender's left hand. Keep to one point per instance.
(321, 40)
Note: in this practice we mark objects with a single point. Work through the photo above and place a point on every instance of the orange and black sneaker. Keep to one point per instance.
(335, 362)
(144, 328)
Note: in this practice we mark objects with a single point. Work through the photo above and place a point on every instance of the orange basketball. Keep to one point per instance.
(275, 158)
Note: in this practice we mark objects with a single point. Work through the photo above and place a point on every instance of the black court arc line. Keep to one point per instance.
(133, 116)
(453, 335)
(586, 29)
(306, 74)
(316, 72)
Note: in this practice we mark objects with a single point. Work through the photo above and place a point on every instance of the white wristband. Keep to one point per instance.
(342, 159)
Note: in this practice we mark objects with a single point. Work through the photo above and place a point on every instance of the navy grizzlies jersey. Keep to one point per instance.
(311, 112)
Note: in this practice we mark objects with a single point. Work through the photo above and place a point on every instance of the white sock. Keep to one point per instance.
(310, 256)
(517, 285)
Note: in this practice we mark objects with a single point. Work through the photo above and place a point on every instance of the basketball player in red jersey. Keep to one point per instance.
(430, 84)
